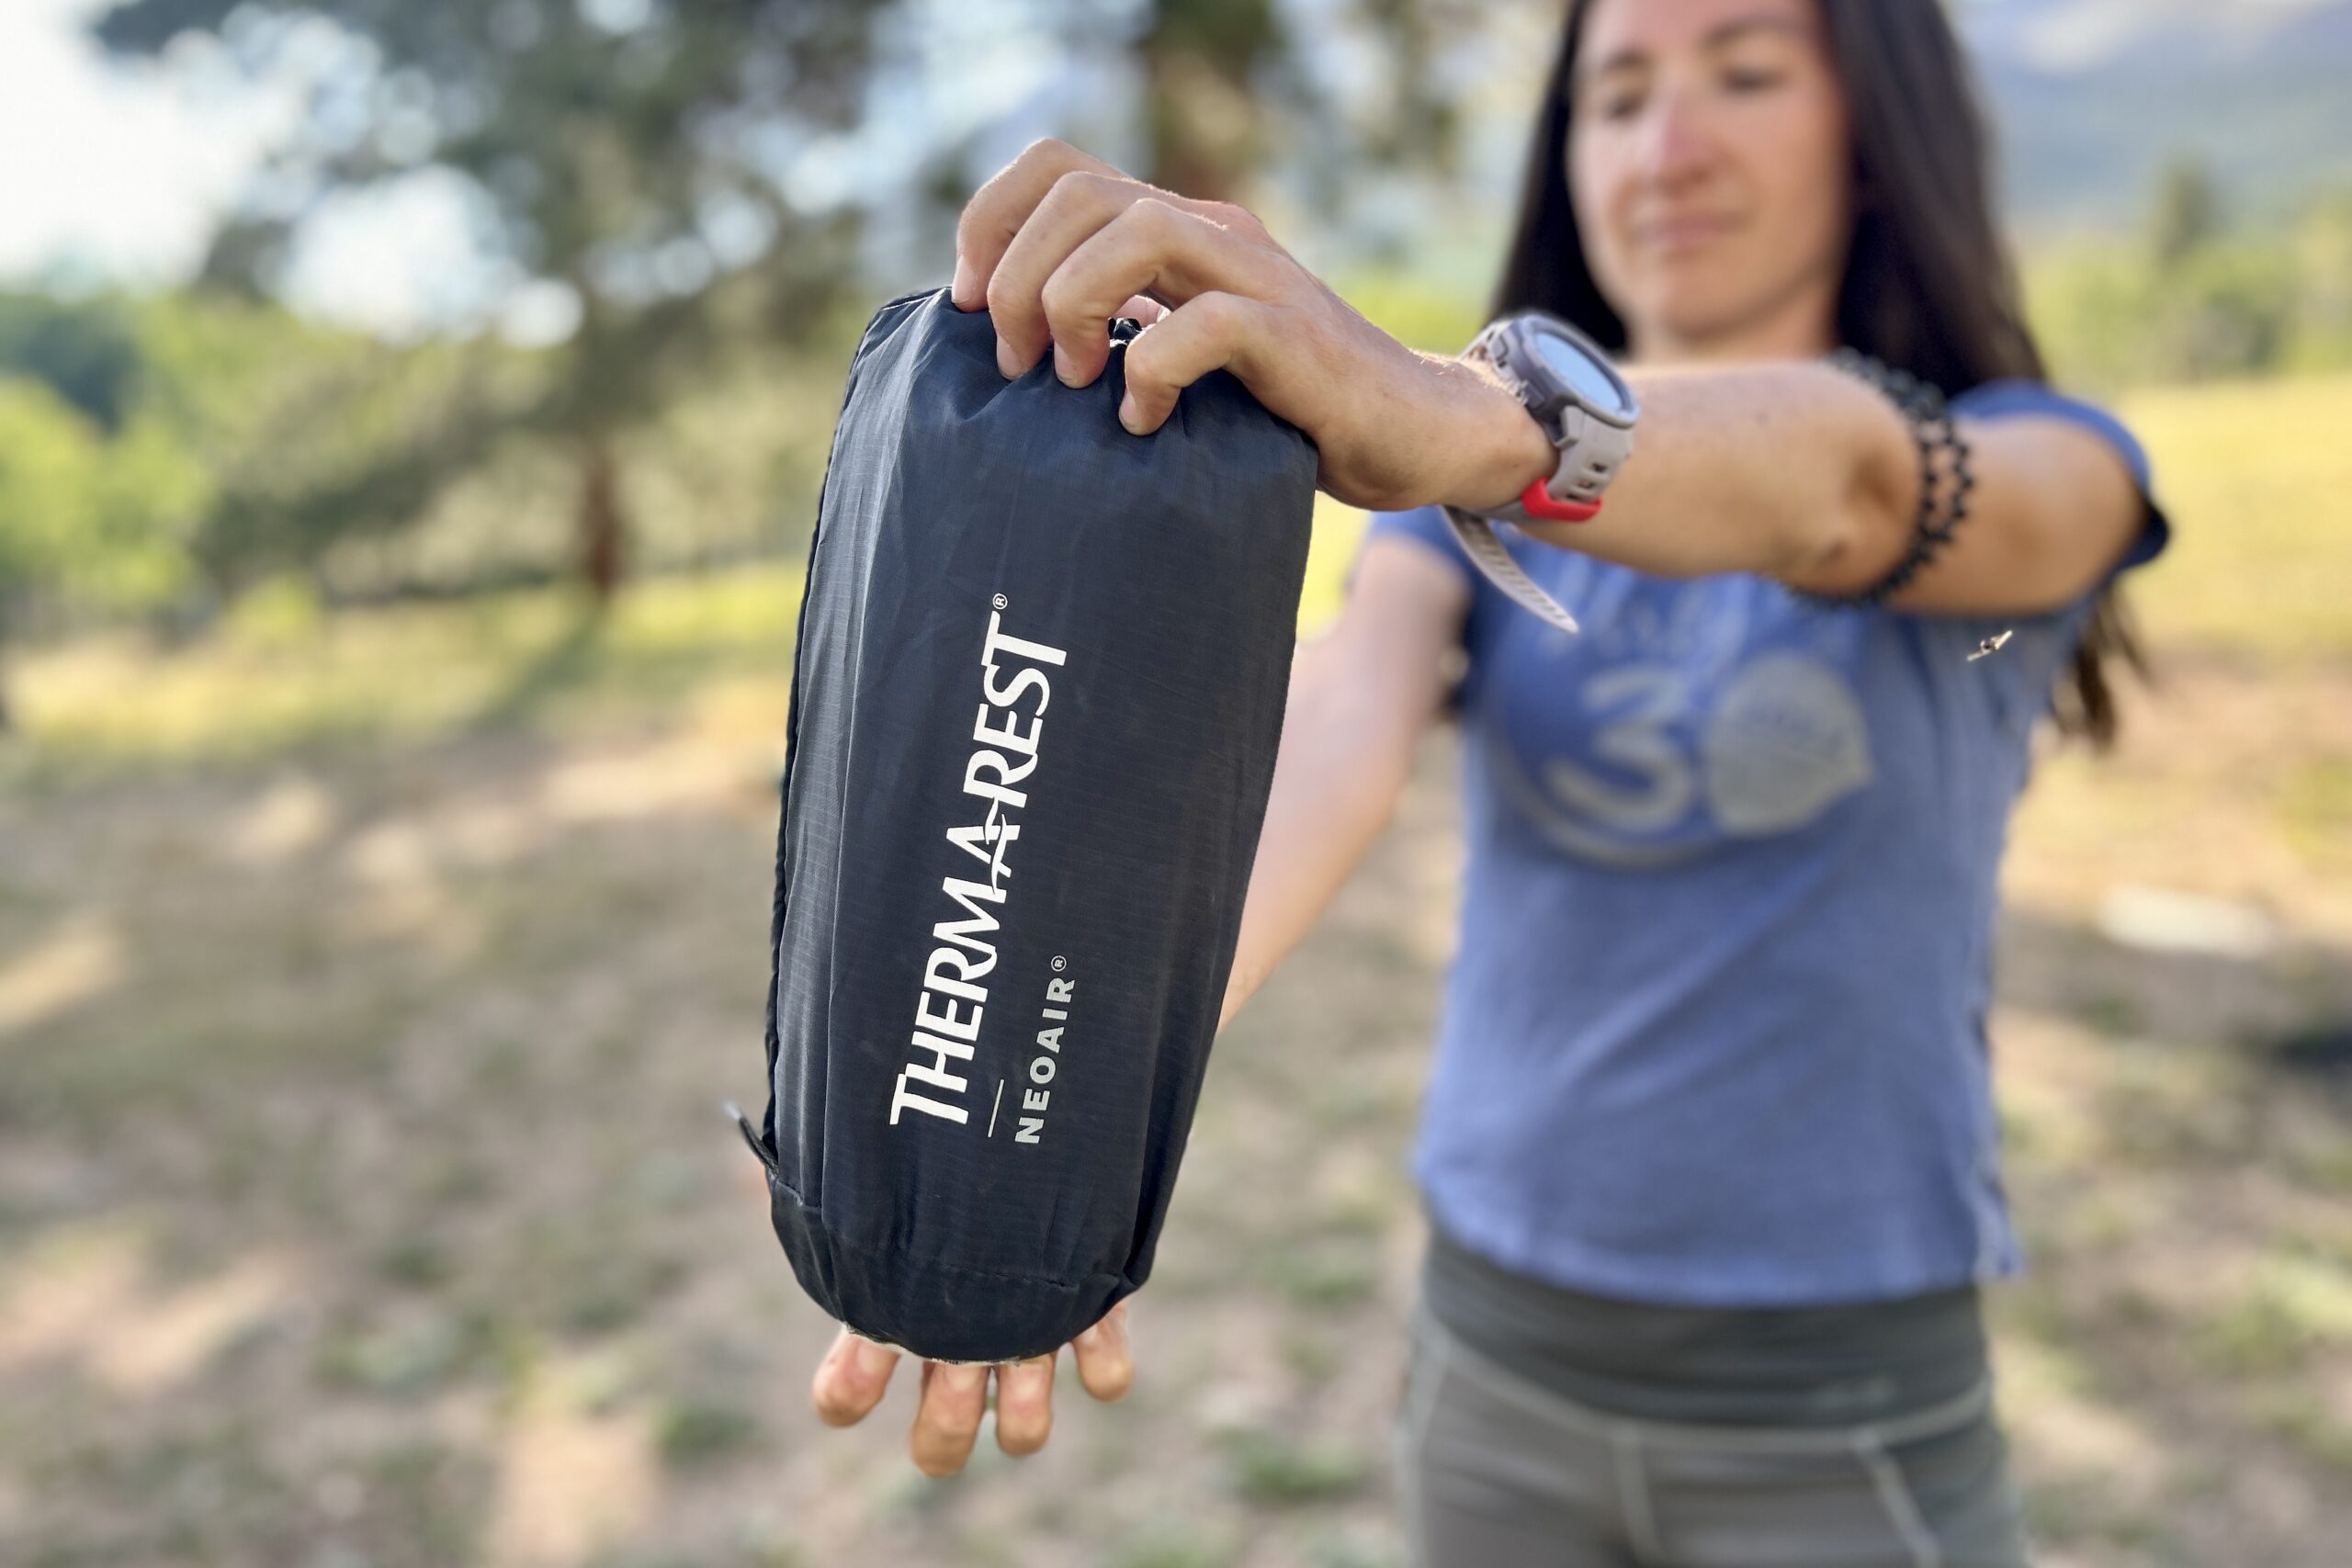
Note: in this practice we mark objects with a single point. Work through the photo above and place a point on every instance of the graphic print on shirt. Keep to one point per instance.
(1688, 714)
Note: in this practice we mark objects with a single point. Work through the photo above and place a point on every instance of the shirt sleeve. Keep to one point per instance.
(2014, 396)
(1427, 527)
(2020, 679)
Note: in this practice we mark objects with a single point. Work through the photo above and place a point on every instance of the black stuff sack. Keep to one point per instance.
(1035, 704)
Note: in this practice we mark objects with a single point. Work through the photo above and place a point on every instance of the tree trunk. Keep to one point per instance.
(602, 529)
(1203, 129)
(1190, 116)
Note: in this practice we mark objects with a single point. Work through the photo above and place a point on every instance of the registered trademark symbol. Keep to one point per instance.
(1060, 963)
(999, 601)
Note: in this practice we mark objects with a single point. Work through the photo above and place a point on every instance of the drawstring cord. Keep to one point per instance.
(758, 1144)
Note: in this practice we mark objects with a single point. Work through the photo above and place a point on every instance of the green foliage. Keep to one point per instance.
(693, 1433)
(85, 521)
(312, 435)
(2186, 215)
(2253, 474)
(638, 161)
(2197, 299)
(1412, 310)
(409, 673)
(84, 349)
(626, 155)
(2321, 252)
(48, 463)
(193, 443)
(1273, 1467)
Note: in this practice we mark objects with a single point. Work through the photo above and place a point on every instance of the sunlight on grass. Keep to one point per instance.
(1339, 528)
(279, 677)
(77, 961)
(2257, 477)
(275, 680)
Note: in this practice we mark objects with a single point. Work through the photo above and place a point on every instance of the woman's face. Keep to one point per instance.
(1710, 169)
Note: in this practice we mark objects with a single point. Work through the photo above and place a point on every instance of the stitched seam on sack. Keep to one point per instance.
(774, 1045)
(856, 644)
(844, 1243)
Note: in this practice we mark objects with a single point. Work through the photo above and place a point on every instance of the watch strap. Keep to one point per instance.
(1485, 548)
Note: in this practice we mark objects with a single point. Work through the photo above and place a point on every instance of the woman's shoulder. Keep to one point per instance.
(2015, 397)
(2026, 396)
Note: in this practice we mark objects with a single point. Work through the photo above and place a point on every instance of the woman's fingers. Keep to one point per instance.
(954, 1399)
(1024, 1405)
(1107, 1363)
(1059, 241)
(1030, 293)
(1208, 333)
(1000, 208)
(1093, 242)
(856, 1373)
(1175, 254)
(851, 1379)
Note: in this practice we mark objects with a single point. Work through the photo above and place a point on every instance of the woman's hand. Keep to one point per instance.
(1059, 243)
(851, 1379)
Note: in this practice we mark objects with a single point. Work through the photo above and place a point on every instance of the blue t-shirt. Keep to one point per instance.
(1713, 1033)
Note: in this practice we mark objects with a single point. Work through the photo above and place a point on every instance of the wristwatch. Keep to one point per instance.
(1565, 381)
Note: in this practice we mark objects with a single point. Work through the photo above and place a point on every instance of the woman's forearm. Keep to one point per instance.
(1783, 469)
(1346, 752)
(1332, 793)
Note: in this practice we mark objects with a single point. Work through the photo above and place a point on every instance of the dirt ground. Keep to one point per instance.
(365, 1201)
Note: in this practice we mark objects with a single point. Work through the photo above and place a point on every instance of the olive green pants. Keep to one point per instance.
(1497, 1472)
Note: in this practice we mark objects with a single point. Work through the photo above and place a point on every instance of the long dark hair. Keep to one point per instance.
(1928, 284)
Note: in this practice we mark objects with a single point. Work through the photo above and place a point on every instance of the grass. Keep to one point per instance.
(698, 1433)
(2254, 476)
(1273, 1467)
(280, 680)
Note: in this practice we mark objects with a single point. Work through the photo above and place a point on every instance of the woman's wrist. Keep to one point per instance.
(1505, 450)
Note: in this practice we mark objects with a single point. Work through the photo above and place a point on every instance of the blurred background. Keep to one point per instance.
(412, 417)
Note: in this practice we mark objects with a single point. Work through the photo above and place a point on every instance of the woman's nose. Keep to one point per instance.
(1676, 145)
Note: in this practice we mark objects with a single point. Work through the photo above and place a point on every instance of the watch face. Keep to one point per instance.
(1578, 369)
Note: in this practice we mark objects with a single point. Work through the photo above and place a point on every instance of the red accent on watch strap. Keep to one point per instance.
(1539, 502)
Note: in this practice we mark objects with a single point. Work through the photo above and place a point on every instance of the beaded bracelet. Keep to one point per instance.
(1940, 510)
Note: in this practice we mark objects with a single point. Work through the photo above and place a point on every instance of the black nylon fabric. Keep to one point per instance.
(1036, 700)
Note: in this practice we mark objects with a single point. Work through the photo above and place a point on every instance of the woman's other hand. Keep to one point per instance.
(1059, 243)
(852, 1378)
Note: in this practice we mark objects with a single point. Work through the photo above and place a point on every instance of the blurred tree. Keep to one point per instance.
(634, 164)
(44, 466)
(2323, 244)
(2185, 215)
(2194, 295)
(1224, 83)
(84, 349)
(628, 153)
(1202, 60)
(86, 522)
(312, 435)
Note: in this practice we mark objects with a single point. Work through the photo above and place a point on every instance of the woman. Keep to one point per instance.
(1709, 1148)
